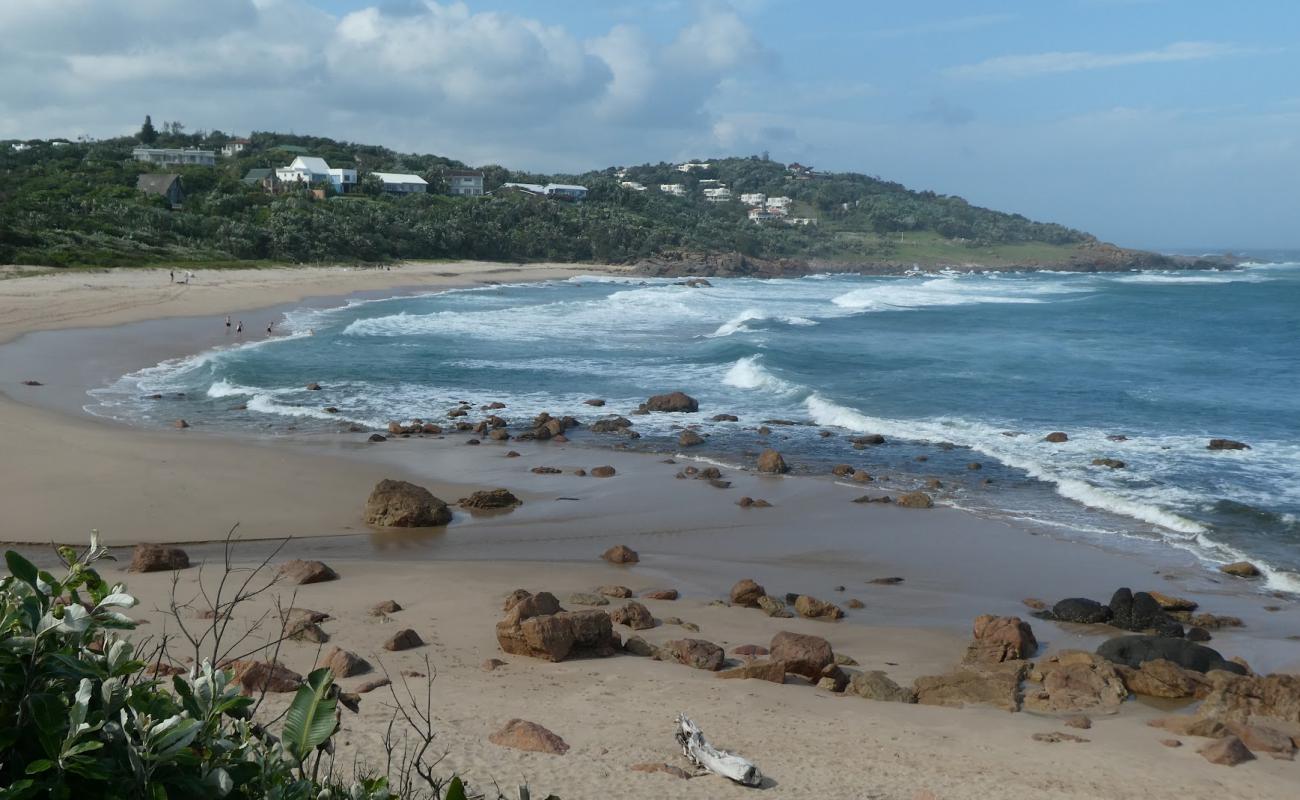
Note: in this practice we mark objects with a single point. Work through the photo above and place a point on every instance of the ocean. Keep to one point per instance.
(952, 369)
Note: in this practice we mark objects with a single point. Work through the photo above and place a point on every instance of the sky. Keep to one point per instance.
(1151, 123)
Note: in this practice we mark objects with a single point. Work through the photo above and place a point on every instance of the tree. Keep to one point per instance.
(147, 133)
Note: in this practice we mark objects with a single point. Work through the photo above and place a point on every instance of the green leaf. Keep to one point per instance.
(455, 790)
(39, 765)
(21, 568)
(84, 747)
(310, 720)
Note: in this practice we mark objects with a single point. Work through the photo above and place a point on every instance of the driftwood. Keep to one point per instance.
(705, 755)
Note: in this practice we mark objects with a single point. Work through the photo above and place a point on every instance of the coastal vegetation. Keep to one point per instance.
(76, 204)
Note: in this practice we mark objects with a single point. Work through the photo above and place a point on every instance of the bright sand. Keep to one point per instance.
(66, 473)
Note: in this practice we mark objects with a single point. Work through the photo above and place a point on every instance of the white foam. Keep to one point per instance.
(749, 373)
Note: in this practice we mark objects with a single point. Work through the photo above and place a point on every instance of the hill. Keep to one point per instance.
(75, 204)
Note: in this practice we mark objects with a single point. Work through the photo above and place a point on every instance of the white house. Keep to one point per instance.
(779, 205)
(801, 221)
(167, 155)
(234, 147)
(753, 199)
(555, 191)
(711, 183)
(465, 183)
(530, 188)
(719, 195)
(760, 215)
(674, 189)
(633, 185)
(310, 169)
(401, 183)
(691, 166)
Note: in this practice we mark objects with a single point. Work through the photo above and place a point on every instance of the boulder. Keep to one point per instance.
(254, 677)
(842, 470)
(620, 592)
(876, 685)
(377, 437)
(1056, 437)
(158, 558)
(689, 438)
(1081, 610)
(546, 470)
(995, 687)
(771, 671)
(180, 423)
(749, 651)
(1080, 721)
(399, 504)
(1141, 612)
(773, 607)
(1228, 751)
(696, 653)
(304, 572)
(365, 687)
(1162, 678)
(343, 664)
(384, 607)
(1253, 698)
(812, 608)
(870, 438)
(1226, 444)
(611, 425)
(1241, 569)
(862, 476)
(771, 462)
(303, 631)
(854, 603)
(998, 639)
(587, 599)
(536, 627)
(1134, 651)
(1191, 726)
(1074, 680)
(603, 472)
(1171, 603)
(660, 594)
(521, 734)
(518, 595)
(490, 499)
(746, 593)
(1264, 739)
(674, 402)
(640, 647)
(633, 615)
(621, 554)
(915, 500)
(803, 654)
(403, 640)
(725, 418)
(1109, 463)
(1034, 603)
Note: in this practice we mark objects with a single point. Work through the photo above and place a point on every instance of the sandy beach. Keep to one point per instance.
(66, 472)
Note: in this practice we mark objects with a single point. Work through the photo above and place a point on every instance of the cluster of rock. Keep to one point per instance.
(1152, 612)
(748, 593)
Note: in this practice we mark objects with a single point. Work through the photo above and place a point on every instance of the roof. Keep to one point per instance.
(565, 187)
(155, 182)
(399, 177)
(312, 164)
(535, 188)
(258, 174)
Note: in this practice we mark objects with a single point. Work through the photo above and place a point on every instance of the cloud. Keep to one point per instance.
(1024, 66)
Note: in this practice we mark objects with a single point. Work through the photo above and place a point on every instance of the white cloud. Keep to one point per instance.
(1023, 66)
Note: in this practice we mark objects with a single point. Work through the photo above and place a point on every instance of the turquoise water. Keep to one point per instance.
(953, 368)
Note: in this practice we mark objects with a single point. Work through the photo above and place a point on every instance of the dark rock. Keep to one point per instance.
(675, 402)
(377, 437)
(696, 653)
(1134, 651)
(803, 654)
(915, 500)
(689, 438)
(1141, 612)
(490, 499)
(158, 558)
(1081, 610)
(1112, 463)
(1226, 444)
(725, 418)
(1056, 437)
(633, 615)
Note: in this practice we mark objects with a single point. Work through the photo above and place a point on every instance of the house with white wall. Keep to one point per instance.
(753, 199)
(674, 189)
(465, 183)
(401, 182)
(310, 170)
(174, 155)
(720, 194)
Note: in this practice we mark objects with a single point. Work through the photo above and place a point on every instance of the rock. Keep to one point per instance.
(517, 596)
(660, 594)
(524, 735)
(876, 685)
(1162, 678)
(771, 671)
(1241, 569)
(1056, 737)
(254, 677)
(749, 651)
(491, 664)
(621, 592)
(1191, 726)
(180, 423)
(696, 653)
(343, 664)
(1141, 612)
(854, 603)
(725, 418)
(1081, 610)
(546, 470)
(30, 382)
(403, 640)
(1171, 603)
(621, 554)
(1263, 739)
(771, 462)
(1171, 743)
(995, 687)
(512, 454)
(489, 499)
(891, 580)
(812, 608)
(773, 607)
(595, 401)
(633, 615)
(999, 639)
(1080, 721)
(803, 654)
(399, 504)
(536, 627)
(676, 402)
(746, 593)
(974, 465)
(1056, 437)
(602, 472)
(499, 434)
(842, 470)
(1074, 680)
(305, 572)
(587, 599)
(689, 438)
(1111, 463)
(1226, 444)
(833, 679)
(313, 387)
(717, 484)
(158, 558)
(1134, 651)
(915, 500)
(1228, 751)
(667, 769)
(870, 438)
(304, 631)
(377, 437)
(580, 472)
(1213, 622)
(640, 647)
(1253, 698)
(1034, 603)
(611, 425)
(384, 607)
(862, 476)
(1195, 634)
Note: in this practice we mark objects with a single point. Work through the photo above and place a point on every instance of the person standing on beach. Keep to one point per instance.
(268, 327)
(240, 328)
(171, 273)
(227, 323)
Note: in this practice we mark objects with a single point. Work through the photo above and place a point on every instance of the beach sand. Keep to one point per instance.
(66, 473)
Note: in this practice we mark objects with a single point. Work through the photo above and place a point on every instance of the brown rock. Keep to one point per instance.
(1253, 698)
(595, 401)
(304, 572)
(667, 769)
(640, 647)
(403, 640)
(1171, 743)
(696, 653)
(158, 558)
(689, 438)
(621, 554)
(180, 423)
(803, 654)
(746, 593)
(842, 470)
(770, 461)
(365, 687)
(1056, 437)
(1056, 737)
(524, 735)
(1161, 678)
(812, 608)
(915, 500)
(1228, 751)
(676, 402)
(399, 504)
(515, 597)
(303, 631)
(1074, 680)
(854, 603)
(889, 581)
(773, 607)
(771, 671)
(633, 615)
(660, 594)
(1263, 739)
(999, 639)
(876, 685)
(998, 687)
(490, 499)
(536, 627)
(1034, 603)
(258, 676)
(749, 651)
(492, 663)
(1191, 726)
(1080, 721)
(862, 476)
(545, 470)
(602, 472)
(621, 592)
(587, 599)
(384, 607)
(1241, 569)
(343, 664)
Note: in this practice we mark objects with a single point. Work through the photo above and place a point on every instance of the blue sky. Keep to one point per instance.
(1153, 123)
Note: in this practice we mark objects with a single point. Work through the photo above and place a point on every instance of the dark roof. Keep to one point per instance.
(258, 174)
(156, 182)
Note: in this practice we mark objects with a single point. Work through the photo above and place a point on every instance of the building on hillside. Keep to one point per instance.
(18, 147)
(263, 176)
(234, 147)
(753, 199)
(178, 156)
(779, 205)
(800, 171)
(465, 182)
(674, 189)
(719, 195)
(761, 215)
(566, 191)
(711, 183)
(168, 185)
(801, 221)
(633, 185)
(401, 183)
(311, 170)
(527, 188)
(691, 166)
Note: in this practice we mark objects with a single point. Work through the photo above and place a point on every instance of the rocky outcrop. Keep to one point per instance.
(1240, 569)
(695, 653)
(1134, 651)
(1075, 680)
(1162, 678)
(254, 677)
(915, 500)
(399, 504)
(537, 627)
(158, 558)
(674, 402)
(304, 572)
(1226, 444)
(771, 462)
(689, 438)
(998, 639)
(1081, 610)
(1253, 698)
(746, 593)
(489, 499)
(621, 554)
(343, 664)
(1141, 612)
(633, 615)
(803, 654)
(771, 671)
(812, 608)
(876, 685)
(520, 734)
(997, 687)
